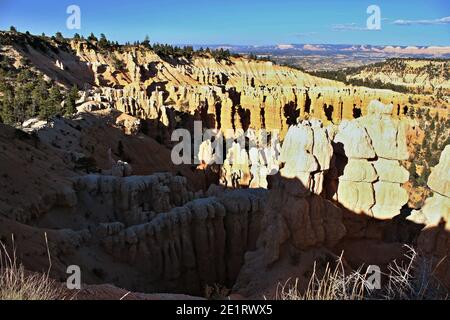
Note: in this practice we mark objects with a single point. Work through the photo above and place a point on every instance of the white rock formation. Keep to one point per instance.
(372, 178)
(306, 154)
(437, 207)
(251, 168)
(434, 238)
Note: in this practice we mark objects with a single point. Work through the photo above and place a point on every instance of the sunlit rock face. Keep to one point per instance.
(233, 94)
(372, 147)
(437, 208)
(435, 215)
(306, 154)
(367, 151)
(249, 162)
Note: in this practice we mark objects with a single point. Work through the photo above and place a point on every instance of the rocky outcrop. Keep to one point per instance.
(298, 225)
(147, 233)
(297, 228)
(435, 215)
(306, 154)
(233, 94)
(368, 151)
(111, 293)
(134, 199)
(439, 180)
(251, 159)
(200, 243)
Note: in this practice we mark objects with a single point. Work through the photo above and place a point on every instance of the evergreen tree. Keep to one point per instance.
(432, 125)
(92, 38)
(423, 179)
(39, 96)
(22, 102)
(59, 36)
(52, 105)
(146, 42)
(70, 102)
(103, 43)
(6, 103)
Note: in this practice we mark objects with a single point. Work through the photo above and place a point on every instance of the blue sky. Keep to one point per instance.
(413, 22)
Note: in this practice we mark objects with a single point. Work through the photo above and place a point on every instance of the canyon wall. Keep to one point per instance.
(228, 94)
(355, 163)
(336, 156)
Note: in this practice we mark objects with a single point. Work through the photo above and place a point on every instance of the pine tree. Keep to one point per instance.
(53, 104)
(39, 96)
(432, 125)
(6, 104)
(424, 176)
(92, 38)
(59, 36)
(103, 43)
(22, 102)
(70, 102)
(146, 42)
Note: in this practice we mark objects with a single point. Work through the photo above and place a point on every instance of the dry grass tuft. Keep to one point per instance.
(17, 284)
(412, 279)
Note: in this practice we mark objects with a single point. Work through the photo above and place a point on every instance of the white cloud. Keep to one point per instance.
(400, 22)
(348, 27)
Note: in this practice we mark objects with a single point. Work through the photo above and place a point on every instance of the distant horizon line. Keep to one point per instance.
(310, 43)
(253, 45)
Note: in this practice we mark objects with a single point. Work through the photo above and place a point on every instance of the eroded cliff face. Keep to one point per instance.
(325, 180)
(172, 239)
(227, 94)
(426, 76)
(435, 215)
(238, 94)
(155, 233)
(201, 243)
(355, 163)
(356, 167)
(368, 153)
(144, 233)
